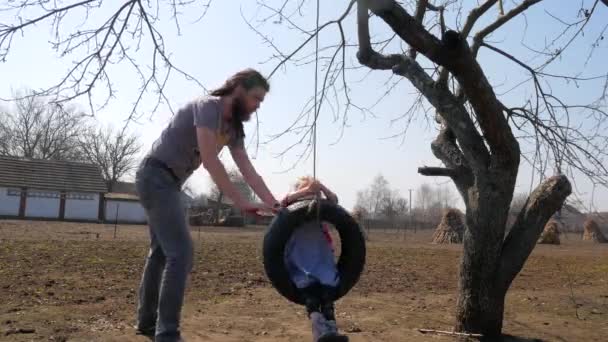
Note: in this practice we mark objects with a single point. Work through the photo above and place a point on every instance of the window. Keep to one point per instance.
(43, 194)
(83, 196)
(13, 192)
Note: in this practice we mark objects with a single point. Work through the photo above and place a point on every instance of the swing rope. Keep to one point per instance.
(316, 111)
(314, 124)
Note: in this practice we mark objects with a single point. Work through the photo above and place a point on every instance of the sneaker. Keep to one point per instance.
(324, 330)
(148, 332)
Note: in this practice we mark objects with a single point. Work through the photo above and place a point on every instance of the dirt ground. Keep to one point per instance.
(76, 282)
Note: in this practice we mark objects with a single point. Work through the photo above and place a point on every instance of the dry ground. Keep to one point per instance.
(75, 282)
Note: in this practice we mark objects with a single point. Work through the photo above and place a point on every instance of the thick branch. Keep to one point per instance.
(455, 115)
(410, 30)
(540, 206)
(419, 16)
(472, 18)
(454, 54)
(444, 147)
(488, 110)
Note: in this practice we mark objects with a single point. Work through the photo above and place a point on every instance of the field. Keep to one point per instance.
(76, 282)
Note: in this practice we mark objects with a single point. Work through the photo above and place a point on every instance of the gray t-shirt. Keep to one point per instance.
(177, 145)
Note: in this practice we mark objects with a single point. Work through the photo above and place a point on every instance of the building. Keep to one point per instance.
(51, 190)
(122, 204)
(70, 191)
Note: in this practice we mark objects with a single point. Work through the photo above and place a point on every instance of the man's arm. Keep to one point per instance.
(251, 176)
(211, 162)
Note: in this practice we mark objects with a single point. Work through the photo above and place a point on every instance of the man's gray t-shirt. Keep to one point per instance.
(177, 145)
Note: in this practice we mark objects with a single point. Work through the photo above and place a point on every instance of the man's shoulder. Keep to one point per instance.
(206, 99)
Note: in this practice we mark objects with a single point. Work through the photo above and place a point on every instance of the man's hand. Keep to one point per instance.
(314, 187)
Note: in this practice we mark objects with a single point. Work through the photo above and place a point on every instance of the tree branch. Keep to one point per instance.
(479, 36)
(472, 18)
(454, 113)
(410, 30)
(454, 54)
(540, 206)
(437, 171)
(419, 16)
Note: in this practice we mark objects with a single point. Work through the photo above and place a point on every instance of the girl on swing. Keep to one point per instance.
(309, 259)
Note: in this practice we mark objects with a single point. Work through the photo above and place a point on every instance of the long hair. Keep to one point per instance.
(248, 79)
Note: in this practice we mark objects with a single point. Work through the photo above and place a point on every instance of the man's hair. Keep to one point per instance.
(248, 78)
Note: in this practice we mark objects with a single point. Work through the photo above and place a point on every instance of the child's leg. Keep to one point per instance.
(327, 302)
(312, 297)
(320, 308)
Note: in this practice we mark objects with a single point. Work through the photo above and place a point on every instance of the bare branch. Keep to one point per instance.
(101, 47)
(436, 171)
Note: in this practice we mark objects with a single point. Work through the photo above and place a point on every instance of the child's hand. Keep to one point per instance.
(332, 197)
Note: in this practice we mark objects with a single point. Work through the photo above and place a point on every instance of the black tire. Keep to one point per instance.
(352, 257)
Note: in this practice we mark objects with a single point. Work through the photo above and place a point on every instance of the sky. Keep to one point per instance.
(222, 43)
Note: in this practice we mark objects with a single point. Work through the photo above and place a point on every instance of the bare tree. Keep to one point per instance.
(115, 152)
(95, 45)
(36, 128)
(479, 132)
(5, 134)
(424, 195)
(380, 201)
(237, 179)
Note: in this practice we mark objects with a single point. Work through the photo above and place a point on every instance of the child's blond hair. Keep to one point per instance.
(302, 182)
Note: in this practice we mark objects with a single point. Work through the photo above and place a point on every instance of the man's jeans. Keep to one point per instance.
(161, 292)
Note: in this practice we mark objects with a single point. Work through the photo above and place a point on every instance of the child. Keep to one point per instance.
(309, 258)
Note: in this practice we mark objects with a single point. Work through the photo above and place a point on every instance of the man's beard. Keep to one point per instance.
(238, 111)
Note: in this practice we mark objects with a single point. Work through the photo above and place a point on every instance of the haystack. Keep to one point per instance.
(593, 233)
(550, 234)
(450, 229)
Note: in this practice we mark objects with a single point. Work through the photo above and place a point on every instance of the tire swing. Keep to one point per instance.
(352, 257)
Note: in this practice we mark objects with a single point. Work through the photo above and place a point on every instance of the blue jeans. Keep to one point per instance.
(161, 292)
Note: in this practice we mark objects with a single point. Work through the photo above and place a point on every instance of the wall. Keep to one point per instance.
(81, 206)
(9, 201)
(128, 211)
(42, 204)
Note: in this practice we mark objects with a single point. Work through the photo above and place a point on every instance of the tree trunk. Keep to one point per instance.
(480, 303)
(489, 261)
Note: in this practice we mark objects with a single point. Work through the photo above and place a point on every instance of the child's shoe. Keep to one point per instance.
(324, 330)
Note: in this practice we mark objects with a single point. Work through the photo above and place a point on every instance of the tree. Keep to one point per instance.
(97, 46)
(479, 131)
(380, 201)
(5, 134)
(477, 141)
(37, 128)
(424, 195)
(242, 186)
(115, 152)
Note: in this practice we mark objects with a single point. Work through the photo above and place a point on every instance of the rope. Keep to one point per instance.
(314, 124)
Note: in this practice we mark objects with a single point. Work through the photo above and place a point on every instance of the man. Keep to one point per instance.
(195, 136)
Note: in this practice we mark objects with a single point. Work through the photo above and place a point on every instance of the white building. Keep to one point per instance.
(53, 190)
(59, 190)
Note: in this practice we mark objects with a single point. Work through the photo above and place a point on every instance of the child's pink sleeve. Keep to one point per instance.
(327, 235)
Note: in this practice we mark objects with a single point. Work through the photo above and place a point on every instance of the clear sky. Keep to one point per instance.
(222, 43)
